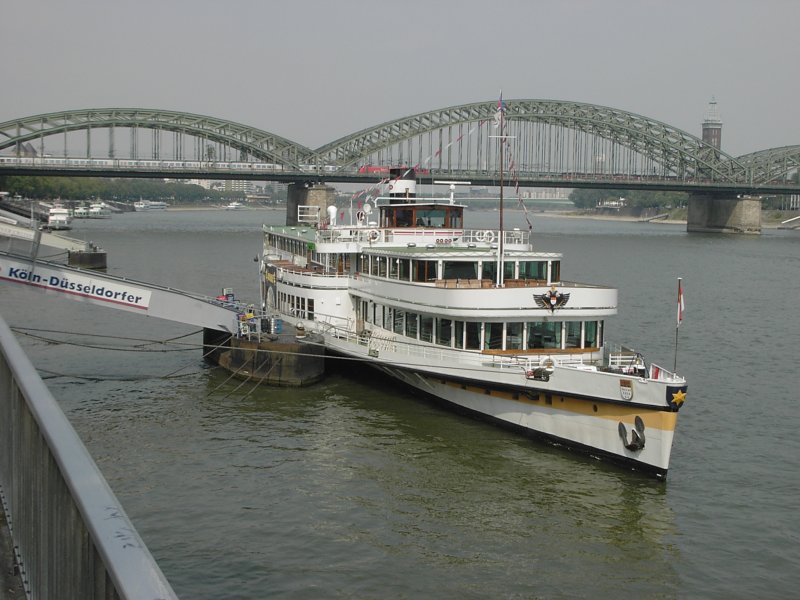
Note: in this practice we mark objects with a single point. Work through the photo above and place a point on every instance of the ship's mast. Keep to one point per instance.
(500, 241)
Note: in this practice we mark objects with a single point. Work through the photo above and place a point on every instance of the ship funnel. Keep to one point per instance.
(402, 184)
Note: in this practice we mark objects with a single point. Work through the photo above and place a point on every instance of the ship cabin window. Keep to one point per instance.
(458, 338)
(424, 270)
(444, 330)
(514, 336)
(493, 336)
(533, 269)
(590, 336)
(572, 334)
(404, 269)
(442, 215)
(555, 271)
(426, 328)
(411, 325)
(503, 336)
(459, 270)
(489, 270)
(473, 336)
(544, 335)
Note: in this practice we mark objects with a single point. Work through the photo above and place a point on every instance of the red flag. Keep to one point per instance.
(680, 302)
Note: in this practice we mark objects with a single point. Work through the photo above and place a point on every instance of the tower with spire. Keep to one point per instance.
(712, 126)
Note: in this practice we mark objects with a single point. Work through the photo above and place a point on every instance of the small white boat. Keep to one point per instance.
(81, 212)
(59, 218)
(144, 205)
(234, 206)
(99, 210)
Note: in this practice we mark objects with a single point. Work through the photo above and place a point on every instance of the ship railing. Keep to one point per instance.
(491, 236)
(372, 234)
(659, 373)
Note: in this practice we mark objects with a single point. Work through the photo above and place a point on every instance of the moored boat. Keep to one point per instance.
(99, 210)
(476, 318)
(234, 206)
(59, 218)
(145, 205)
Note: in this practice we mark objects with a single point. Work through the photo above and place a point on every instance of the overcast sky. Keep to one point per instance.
(315, 71)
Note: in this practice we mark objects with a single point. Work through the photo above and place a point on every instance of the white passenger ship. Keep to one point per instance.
(425, 300)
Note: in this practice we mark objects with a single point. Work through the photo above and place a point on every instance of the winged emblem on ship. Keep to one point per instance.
(552, 299)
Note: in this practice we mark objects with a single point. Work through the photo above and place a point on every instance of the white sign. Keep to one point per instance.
(74, 284)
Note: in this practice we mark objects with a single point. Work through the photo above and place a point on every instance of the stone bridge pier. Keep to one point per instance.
(303, 194)
(723, 213)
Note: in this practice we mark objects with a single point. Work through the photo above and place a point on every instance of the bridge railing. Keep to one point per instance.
(71, 536)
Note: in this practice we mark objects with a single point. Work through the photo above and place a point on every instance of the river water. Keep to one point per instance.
(355, 488)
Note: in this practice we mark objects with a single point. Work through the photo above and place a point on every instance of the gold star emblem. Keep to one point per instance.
(678, 397)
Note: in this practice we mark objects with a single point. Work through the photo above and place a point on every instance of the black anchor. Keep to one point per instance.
(637, 434)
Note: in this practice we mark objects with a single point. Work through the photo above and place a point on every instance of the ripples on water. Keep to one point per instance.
(355, 488)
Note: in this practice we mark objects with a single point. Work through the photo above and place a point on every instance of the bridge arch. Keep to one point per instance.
(248, 141)
(595, 131)
(772, 164)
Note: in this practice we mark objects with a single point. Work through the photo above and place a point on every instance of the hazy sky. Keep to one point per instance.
(315, 71)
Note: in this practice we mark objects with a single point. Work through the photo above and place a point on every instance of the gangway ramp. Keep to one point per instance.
(17, 231)
(101, 289)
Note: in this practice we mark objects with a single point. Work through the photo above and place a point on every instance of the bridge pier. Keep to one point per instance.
(715, 213)
(303, 194)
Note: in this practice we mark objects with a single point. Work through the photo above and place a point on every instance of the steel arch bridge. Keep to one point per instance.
(554, 143)
(247, 141)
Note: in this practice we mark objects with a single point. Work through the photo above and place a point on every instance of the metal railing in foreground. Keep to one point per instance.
(71, 536)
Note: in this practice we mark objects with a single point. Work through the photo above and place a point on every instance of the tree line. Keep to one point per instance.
(88, 188)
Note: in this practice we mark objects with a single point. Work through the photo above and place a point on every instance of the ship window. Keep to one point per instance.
(394, 264)
(473, 335)
(459, 270)
(381, 265)
(544, 335)
(573, 334)
(555, 271)
(411, 325)
(459, 334)
(426, 328)
(424, 270)
(430, 217)
(443, 330)
(405, 269)
(489, 270)
(404, 217)
(533, 269)
(513, 336)
(373, 267)
(493, 336)
(388, 318)
(310, 309)
(508, 270)
(399, 321)
(590, 335)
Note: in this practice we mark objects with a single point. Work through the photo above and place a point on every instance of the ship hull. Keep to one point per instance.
(556, 411)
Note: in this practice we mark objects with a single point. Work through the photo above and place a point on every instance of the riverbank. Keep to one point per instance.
(769, 220)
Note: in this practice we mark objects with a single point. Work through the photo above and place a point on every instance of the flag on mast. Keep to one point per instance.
(498, 116)
(680, 302)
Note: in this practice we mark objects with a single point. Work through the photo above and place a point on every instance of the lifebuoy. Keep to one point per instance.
(488, 236)
(373, 235)
(480, 235)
